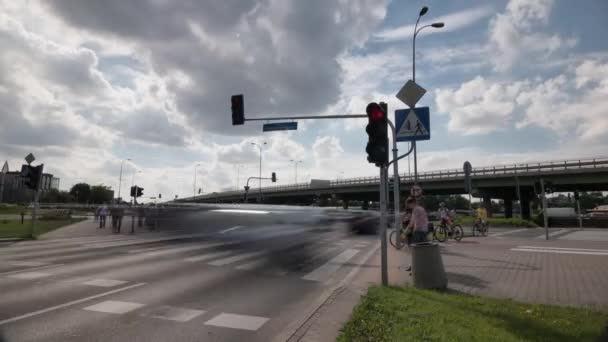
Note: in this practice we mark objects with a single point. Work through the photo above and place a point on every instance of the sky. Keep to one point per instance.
(86, 85)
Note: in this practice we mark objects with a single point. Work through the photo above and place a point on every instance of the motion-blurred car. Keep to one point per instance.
(363, 221)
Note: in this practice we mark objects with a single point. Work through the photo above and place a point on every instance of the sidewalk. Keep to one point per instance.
(89, 227)
(485, 267)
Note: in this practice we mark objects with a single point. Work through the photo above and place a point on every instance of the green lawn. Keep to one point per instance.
(12, 209)
(410, 314)
(14, 228)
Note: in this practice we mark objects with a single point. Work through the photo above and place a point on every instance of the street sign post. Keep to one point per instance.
(4, 172)
(30, 158)
(280, 126)
(413, 124)
(467, 168)
(411, 93)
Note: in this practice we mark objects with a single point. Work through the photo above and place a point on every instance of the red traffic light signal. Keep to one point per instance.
(274, 177)
(377, 131)
(238, 109)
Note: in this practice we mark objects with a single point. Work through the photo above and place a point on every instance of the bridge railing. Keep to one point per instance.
(506, 169)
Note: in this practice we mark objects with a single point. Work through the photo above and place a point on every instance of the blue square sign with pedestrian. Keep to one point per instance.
(413, 124)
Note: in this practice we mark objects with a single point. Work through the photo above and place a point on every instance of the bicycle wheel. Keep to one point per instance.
(457, 232)
(485, 228)
(396, 240)
(441, 234)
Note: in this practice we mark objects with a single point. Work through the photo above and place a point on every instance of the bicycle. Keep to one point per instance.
(448, 229)
(398, 238)
(481, 226)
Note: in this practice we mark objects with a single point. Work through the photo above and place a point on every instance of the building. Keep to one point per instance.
(15, 191)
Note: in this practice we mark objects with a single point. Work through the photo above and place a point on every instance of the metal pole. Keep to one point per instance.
(2, 188)
(396, 180)
(194, 186)
(580, 217)
(518, 195)
(383, 242)
(544, 202)
(238, 169)
(260, 180)
(296, 173)
(415, 164)
(120, 178)
(35, 205)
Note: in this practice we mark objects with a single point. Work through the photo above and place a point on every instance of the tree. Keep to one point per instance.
(431, 203)
(101, 194)
(56, 196)
(590, 200)
(81, 192)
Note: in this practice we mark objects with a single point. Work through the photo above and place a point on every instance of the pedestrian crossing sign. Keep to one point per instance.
(413, 124)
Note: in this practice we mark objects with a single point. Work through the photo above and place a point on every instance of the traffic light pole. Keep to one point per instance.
(35, 204)
(383, 242)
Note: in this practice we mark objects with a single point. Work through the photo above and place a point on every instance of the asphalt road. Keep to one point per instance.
(203, 276)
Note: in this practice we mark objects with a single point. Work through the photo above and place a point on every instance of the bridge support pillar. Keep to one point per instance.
(525, 207)
(344, 203)
(508, 207)
(365, 205)
(487, 203)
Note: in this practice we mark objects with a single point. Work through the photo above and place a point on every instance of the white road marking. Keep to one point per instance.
(252, 265)
(173, 313)
(552, 234)
(65, 305)
(104, 282)
(587, 235)
(230, 229)
(28, 263)
(244, 322)
(325, 272)
(142, 241)
(509, 232)
(557, 251)
(242, 211)
(176, 250)
(208, 256)
(566, 248)
(29, 275)
(233, 259)
(114, 307)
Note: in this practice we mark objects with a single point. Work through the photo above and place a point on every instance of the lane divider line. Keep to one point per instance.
(230, 229)
(68, 304)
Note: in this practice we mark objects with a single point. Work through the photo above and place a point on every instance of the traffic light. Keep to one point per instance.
(140, 192)
(133, 191)
(238, 110)
(31, 176)
(377, 131)
(576, 196)
(549, 187)
(160, 196)
(274, 177)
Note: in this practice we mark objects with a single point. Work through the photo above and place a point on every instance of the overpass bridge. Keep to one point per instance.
(506, 182)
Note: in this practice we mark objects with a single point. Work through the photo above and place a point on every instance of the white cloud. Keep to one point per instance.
(453, 22)
(515, 35)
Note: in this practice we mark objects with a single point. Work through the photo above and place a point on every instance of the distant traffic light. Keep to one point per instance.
(238, 110)
(133, 191)
(274, 177)
(576, 196)
(377, 131)
(140, 192)
(31, 176)
(549, 188)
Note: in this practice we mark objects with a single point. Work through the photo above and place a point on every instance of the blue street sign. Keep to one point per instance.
(280, 126)
(413, 124)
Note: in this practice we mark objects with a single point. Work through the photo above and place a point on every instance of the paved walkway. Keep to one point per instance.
(89, 227)
(560, 272)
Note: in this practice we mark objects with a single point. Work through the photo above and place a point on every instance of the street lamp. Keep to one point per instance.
(120, 177)
(238, 169)
(260, 178)
(194, 186)
(295, 163)
(416, 31)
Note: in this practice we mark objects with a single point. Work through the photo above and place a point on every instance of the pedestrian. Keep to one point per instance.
(103, 212)
(96, 213)
(120, 211)
(418, 224)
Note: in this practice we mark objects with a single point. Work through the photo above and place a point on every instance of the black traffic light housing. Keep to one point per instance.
(377, 131)
(133, 191)
(139, 192)
(549, 188)
(274, 177)
(238, 109)
(31, 176)
(577, 196)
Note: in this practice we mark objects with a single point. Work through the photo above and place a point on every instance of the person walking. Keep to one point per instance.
(103, 212)
(419, 222)
(120, 212)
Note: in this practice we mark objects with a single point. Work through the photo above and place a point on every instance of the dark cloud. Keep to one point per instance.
(280, 54)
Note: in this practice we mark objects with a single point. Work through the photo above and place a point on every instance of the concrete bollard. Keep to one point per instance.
(427, 266)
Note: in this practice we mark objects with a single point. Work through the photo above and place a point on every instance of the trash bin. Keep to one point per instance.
(427, 266)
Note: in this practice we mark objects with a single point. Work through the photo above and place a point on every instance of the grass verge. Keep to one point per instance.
(14, 228)
(410, 314)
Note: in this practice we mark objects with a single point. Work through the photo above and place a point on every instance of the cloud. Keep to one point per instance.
(280, 54)
(454, 22)
(514, 35)
(572, 104)
(327, 147)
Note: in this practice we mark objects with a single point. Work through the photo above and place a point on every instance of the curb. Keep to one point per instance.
(298, 324)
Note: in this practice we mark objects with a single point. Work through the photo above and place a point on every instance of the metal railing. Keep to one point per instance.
(506, 169)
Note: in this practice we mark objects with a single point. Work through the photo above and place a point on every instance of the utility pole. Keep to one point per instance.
(383, 242)
(120, 177)
(544, 202)
(194, 186)
(260, 175)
